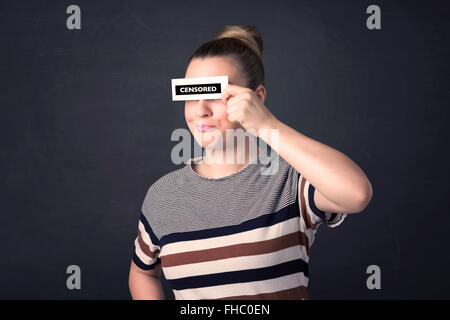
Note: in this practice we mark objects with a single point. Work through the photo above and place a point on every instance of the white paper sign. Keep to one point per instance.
(198, 88)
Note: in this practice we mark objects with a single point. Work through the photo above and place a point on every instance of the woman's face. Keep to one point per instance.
(212, 112)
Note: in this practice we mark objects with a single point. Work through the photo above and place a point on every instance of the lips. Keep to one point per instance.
(204, 127)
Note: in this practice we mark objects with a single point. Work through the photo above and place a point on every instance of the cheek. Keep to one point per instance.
(189, 113)
(222, 115)
(219, 114)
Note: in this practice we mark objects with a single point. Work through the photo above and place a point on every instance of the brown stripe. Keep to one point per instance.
(144, 247)
(308, 223)
(305, 241)
(297, 293)
(237, 250)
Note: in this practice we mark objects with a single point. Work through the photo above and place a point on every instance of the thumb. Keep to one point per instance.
(225, 97)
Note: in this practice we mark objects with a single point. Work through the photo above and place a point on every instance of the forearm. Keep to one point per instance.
(145, 287)
(335, 175)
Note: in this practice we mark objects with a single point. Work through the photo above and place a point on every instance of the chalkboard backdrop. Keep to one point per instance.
(86, 119)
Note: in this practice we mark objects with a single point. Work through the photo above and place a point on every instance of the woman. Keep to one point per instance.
(223, 230)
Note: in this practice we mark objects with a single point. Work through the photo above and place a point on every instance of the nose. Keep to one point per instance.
(203, 108)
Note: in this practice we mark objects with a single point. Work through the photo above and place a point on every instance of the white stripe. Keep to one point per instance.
(142, 256)
(146, 237)
(255, 235)
(245, 288)
(338, 222)
(314, 217)
(237, 263)
(309, 232)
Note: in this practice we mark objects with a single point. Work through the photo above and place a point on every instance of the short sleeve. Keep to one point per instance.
(310, 213)
(146, 246)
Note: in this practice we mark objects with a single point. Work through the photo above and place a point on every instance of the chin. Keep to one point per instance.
(209, 140)
(205, 143)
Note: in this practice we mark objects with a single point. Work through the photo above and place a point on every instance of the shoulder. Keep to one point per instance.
(159, 189)
(281, 166)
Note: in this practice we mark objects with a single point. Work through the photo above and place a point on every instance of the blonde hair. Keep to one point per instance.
(248, 34)
(244, 44)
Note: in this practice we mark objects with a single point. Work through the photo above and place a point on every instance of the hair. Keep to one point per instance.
(244, 44)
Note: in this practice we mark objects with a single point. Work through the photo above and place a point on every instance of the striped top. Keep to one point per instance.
(244, 236)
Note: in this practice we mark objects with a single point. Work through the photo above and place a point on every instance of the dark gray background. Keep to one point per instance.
(86, 118)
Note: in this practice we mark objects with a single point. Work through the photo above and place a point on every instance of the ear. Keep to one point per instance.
(261, 92)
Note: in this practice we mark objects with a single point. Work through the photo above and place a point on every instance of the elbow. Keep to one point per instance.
(364, 198)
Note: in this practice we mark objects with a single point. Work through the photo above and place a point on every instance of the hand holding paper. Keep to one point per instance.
(247, 108)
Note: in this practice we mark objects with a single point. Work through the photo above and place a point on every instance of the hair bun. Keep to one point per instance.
(246, 33)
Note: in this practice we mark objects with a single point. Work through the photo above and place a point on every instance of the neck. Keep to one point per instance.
(216, 165)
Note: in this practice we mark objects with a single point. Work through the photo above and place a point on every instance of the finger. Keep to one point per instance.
(235, 105)
(234, 100)
(232, 90)
(233, 117)
(232, 108)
